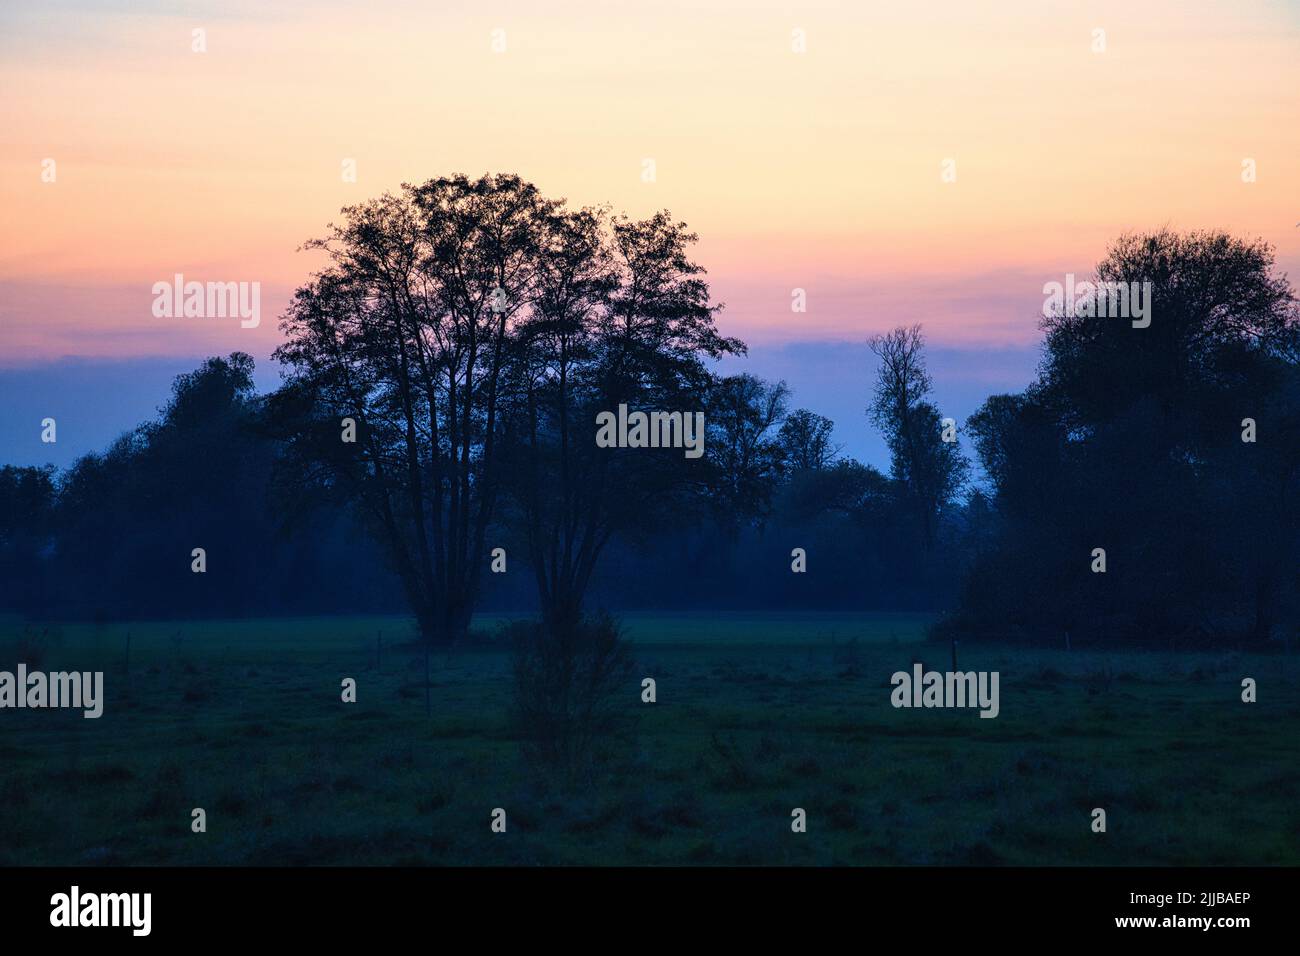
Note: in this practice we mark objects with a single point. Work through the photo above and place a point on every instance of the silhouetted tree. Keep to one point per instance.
(408, 331)
(27, 501)
(472, 329)
(805, 441)
(745, 456)
(129, 518)
(621, 317)
(1131, 440)
(931, 470)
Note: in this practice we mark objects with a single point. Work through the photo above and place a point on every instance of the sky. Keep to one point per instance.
(923, 162)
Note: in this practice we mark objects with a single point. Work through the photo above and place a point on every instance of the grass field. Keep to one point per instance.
(756, 715)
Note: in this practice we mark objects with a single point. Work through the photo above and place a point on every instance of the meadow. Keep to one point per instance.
(755, 715)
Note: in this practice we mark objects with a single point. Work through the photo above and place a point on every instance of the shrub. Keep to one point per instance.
(567, 684)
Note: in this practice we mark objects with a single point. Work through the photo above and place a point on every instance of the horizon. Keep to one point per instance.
(830, 378)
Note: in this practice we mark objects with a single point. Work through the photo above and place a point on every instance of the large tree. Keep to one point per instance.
(407, 331)
(472, 330)
(1131, 440)
(622, 316)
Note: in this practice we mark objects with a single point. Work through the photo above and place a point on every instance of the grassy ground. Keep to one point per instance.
(756, 715)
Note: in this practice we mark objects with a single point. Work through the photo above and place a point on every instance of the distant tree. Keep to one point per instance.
(931, 470)
(745, 454)
(220, 386)
(195, 477)
(805, 441)
(27, 501)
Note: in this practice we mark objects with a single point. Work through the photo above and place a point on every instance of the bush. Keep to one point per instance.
(569, 682)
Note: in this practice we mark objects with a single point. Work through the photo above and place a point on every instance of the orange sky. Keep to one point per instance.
(818, 170)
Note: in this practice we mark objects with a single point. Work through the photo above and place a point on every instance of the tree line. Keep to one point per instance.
(444, 371)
